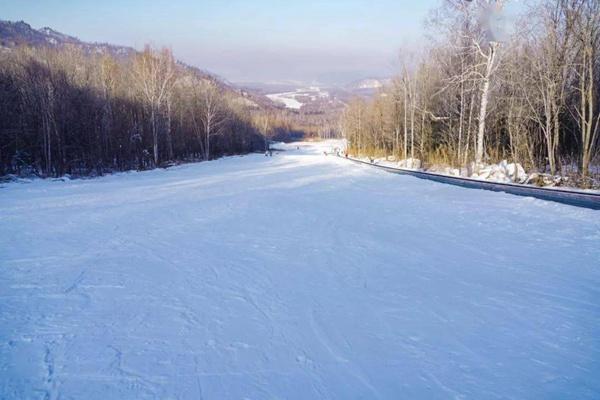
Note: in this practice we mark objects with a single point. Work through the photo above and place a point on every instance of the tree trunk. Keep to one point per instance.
(589, 123)
(469, 126)
(490, 58)
(207, 143)
(405, 123)
(460, 121)
(482, 117)
(169, 133)
(154, 135)
(412, 130)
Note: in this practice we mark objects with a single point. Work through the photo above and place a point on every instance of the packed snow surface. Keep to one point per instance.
(299, 276)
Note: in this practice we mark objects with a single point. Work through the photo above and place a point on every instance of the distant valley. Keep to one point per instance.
(309, 97)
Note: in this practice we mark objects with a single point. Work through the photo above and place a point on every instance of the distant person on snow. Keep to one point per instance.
(269, 152)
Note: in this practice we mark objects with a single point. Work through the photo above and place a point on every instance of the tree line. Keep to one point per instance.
(480, 93)
(66, 112)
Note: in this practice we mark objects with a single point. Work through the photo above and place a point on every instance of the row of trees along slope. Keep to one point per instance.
(66, 111)
(479, 93)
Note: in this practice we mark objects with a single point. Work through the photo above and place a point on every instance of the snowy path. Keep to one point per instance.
(294, 277)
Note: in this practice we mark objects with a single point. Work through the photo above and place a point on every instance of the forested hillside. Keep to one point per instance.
(489, 87)
(64, 112)
(70, 107)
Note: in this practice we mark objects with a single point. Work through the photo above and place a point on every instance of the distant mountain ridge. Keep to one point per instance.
(14, 34)
(20, 33)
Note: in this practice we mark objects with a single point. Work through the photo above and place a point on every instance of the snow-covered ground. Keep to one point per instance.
(294, 277)
(287, 99)
(290, 99)
(502, 172)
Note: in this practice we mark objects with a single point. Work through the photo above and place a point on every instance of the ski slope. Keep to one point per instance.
(287, 99)
(293, 277)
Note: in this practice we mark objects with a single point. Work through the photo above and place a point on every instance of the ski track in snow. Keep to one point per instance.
(297, 276)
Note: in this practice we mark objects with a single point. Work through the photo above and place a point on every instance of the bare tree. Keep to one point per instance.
(154, 74)
(551, 59)
(588, 71)
(212, 113)
(263, 122)
(489, 58)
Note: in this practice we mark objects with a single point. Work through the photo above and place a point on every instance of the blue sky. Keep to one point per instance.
(260, 40)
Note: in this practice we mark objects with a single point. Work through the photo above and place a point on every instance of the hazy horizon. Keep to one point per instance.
(329, 42)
